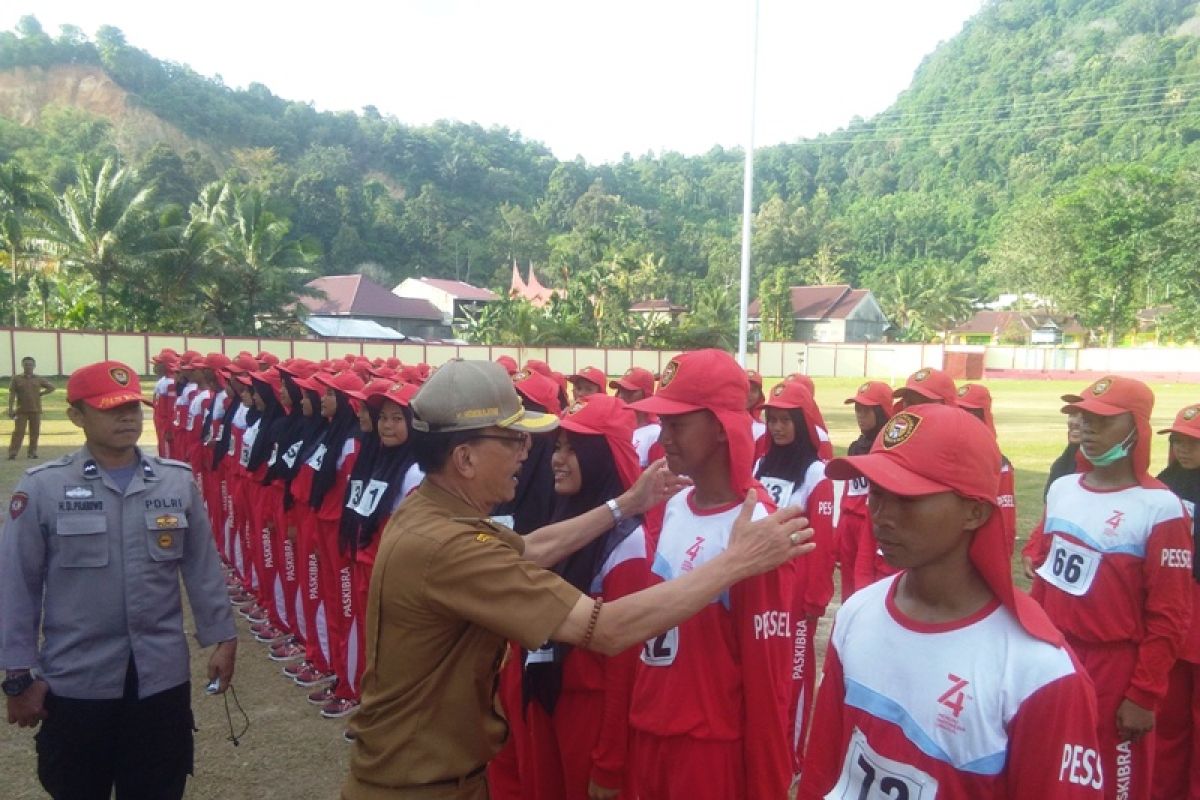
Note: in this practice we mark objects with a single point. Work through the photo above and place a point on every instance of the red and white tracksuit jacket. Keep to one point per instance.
(967, 710)
(712, 698)
(1115, 575)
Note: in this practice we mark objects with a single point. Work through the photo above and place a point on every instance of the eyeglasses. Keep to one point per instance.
(521, 440)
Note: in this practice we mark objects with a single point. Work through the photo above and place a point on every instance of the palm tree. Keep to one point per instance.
(103, 224)
(20, 195)
(262, 271)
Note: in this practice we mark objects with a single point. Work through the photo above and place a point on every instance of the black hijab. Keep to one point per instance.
(533, 503)
(343, 427)
(269, 424)
(600, 481)
(375, 463)
(1067, 463)
(862, 445)
(791, 461)
(298, 430)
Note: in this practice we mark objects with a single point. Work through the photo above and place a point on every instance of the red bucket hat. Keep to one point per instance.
(635, 378)
(976, 395)
(591, 375)
(509, 363)
(929, 449)
(873, 393)
(932, 384)
(104, 385)
(537, 388)
(605, 415)
(710, 380)
(1116, 394)
(536, 365)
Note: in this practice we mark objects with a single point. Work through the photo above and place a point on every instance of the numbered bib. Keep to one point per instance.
(858, 487)
(271, 459)
(866, 775)
(368, 498)
(317, 458)
(244, 455)
(289, 456)
(780, 490)
(662, 649)
(543, 655)
(1070, 567)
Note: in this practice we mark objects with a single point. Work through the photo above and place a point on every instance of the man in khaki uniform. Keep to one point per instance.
(450, 587)
(25, 407)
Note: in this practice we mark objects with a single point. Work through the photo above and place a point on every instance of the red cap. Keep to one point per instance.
(754, 378)
(509, 363)
(794, 394)
(394, 363)
(538, 388)
(344, 382)
(536, 365)
(166, 354)
(976, 395)
(635, 378)
(1116, 394)
(399, 393)
(929, 449)
(873, 393)
(243, 362)
(105, 385)
(1187, 422)
(416, 373)
(271, 377)
(591, 375)
(932, 384)
(270, 359)
(804, 379)
(216, 361)
(372, 387)
(710, 380)
(605, 415)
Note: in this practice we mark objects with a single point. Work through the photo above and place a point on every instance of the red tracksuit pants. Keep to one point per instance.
(1128, 766)
(1177, 727)
(316, 644)
(336, 580)
(683, 768)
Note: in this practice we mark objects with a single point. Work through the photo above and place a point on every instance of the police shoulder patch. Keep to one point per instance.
(170, 462)
(18, 504)
(58, 462)
(900, 429)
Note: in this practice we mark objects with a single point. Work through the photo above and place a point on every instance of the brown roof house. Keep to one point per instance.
(353, 298)
(834, 313)
(451, 297)
(1020, 328)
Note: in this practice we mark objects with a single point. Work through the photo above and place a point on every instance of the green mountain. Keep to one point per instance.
(1049, 148)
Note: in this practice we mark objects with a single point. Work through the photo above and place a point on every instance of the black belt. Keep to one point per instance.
(451, 781)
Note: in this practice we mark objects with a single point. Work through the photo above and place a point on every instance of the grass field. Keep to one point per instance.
(291, 752)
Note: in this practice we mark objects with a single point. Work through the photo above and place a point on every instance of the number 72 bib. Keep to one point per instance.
(1069, 566)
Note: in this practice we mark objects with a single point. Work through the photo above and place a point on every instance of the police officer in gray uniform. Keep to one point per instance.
(92, 553)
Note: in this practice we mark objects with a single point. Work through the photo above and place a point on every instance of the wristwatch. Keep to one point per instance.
(17, 684)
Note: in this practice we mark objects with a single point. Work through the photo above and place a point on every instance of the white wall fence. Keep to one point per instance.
(60, 352)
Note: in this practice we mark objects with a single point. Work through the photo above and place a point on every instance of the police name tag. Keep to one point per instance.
(1070, 567)
(780, 490)
(866, 774)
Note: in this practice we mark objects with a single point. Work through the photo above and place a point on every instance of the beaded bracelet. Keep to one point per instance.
(591, 628)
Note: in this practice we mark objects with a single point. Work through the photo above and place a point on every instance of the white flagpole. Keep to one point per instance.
(748, 197)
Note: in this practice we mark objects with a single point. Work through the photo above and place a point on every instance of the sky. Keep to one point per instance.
(597, 79)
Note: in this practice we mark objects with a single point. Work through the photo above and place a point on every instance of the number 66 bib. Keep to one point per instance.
(1069, 566)
(866, 775)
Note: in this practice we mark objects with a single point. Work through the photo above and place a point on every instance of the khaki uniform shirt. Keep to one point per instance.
(27, 393)
(448, 590)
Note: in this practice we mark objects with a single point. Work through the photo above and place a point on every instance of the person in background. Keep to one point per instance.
(926, 385)
(1177, 757)
(1113, 558)
(25, 393)
(638, 384)
(1068, 460)
(976, 400)
(873, 407)
(165, 365)
(588, 381)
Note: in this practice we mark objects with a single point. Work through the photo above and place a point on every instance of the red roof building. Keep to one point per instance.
(834, 313)
(359, 297)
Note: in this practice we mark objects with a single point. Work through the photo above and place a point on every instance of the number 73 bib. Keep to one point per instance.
(1069, 566)
(866, 775)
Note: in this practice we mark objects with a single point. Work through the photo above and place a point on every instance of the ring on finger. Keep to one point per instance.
(795, 537)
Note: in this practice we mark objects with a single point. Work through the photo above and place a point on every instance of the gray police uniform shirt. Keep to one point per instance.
(99, 569)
